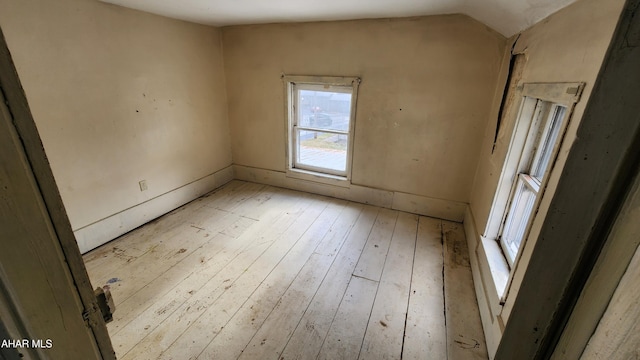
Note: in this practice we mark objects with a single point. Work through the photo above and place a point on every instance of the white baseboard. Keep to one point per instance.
(91, 236)
(417, 204)
(487, 303)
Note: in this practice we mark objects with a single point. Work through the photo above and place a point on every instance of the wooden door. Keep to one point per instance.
(47, 306)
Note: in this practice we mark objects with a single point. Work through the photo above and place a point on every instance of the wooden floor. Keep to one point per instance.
(256, 272)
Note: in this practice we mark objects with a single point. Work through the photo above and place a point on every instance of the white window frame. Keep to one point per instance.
(547, 126)
(519, 157)
(293, 83)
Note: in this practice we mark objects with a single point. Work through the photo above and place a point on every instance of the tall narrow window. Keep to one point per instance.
(536, 121)
(320, 124)
(537, 132)
(540, 147)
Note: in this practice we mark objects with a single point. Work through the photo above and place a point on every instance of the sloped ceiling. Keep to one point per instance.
(505, 16)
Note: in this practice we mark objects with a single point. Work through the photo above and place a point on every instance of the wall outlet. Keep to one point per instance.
(143, 185)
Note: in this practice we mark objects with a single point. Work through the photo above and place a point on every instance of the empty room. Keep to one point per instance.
(319, 180)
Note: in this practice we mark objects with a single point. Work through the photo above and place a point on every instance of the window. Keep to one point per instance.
(536, 130)
(541, 144)
(320, 125)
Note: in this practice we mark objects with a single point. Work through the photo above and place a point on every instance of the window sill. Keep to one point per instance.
(327, 179)
(498, 267)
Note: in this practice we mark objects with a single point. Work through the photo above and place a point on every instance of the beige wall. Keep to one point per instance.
(427, 86)
(119, 96)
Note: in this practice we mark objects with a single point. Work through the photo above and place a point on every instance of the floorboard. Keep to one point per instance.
(386, 325)
(424, 331)
(313, 327)
(349, 324)
(273, 335)
(250, 271)
(465, 339)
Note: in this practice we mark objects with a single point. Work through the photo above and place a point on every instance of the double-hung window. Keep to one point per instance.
(538, 131)
(320, 125)
(542, 142)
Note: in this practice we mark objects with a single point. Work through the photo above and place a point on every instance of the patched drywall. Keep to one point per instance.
(119, 96)
(426, 93)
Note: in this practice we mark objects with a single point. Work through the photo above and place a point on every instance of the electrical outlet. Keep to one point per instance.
(143, 185)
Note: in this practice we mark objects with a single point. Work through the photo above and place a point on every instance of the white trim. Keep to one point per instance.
(310, 82)
(509, 170)
(316, 177)
(91, 236)
(565, 94)
(484, 285)
(413, 203)
(322, 80)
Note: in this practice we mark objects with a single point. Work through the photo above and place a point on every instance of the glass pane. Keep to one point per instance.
(322, 150)
(517, 220)
(545, 149)
(324, 109)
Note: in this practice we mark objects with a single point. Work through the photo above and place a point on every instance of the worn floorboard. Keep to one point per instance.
(424, 332)
(465, 339)
(255, 272)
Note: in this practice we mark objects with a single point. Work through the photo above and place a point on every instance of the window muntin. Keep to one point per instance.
(320, 125)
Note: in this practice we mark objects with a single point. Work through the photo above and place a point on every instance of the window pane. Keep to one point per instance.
(322, 150)
(324, 109)
(545, 150)
(517, 220)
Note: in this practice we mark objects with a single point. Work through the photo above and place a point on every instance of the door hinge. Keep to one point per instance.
(89, 320)
(103, 305)
(85, 316)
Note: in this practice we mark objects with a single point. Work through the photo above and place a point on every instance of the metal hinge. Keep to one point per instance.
(103, 305)
(87, 316)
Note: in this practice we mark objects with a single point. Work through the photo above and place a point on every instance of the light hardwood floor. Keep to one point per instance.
(256, 272)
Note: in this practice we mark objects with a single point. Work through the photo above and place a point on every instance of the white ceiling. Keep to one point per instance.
(505, 16)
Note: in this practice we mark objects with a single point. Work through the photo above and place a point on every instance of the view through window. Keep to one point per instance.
(321, 126)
